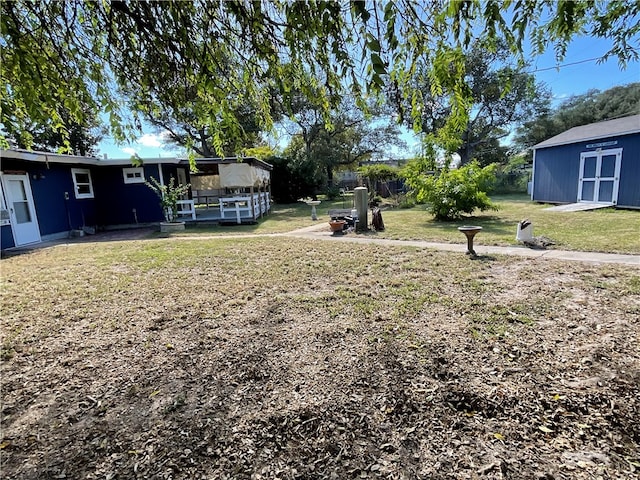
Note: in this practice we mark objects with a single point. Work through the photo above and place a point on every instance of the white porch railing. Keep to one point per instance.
(186, 208)
(245, 206)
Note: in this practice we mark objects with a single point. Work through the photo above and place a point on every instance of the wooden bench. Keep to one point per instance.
(343, 214)
(339, 213)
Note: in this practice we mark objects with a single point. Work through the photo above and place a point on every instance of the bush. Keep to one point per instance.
(512, 177)
(333, 192)
(450, 193)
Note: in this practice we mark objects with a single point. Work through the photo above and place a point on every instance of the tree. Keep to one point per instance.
(342, 140)
(501, 95)
(81, 139)
(177, 111)
(590, 107)
(317, 148)
(378, 173)
(57, 54)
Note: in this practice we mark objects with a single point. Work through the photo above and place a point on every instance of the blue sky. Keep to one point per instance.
(564, 81)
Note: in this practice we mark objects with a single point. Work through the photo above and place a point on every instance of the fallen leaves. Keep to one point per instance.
(397, 365)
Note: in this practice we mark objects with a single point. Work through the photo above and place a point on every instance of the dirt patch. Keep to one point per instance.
(283, 358)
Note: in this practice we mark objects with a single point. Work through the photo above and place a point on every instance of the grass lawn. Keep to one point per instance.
(266, 357)
(606, 230)
(283, 218)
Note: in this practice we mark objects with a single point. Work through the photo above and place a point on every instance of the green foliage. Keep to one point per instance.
(81, 139)
(213, 58)
(332, 192)
(293, 178)
(499, 98)
(343, 138)
(169, 196)
(590, 107)
(375, 173)
(512, 177)
(452, 192)
(378, 172)
(261, 152)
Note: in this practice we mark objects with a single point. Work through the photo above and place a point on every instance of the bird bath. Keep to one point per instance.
(470, 232)
(313, 203)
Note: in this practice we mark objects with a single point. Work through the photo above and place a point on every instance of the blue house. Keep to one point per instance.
(598, 163)
(45, 196)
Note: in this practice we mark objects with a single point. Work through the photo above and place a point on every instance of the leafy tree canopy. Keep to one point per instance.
(81, 139)
(55, 55)
(501, 95)
(590, 107)
(346, 138)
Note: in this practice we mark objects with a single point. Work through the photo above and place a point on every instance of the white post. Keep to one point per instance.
(160, 176)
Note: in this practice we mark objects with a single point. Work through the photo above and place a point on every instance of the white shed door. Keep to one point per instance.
(600, 176)
(22, 210)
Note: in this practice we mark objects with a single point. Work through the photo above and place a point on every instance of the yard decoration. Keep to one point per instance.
(337, 226)
(169, 196)
(470, 231)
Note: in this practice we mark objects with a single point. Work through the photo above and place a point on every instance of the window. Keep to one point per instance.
(4, 213)
(82, 182)
(133, 175)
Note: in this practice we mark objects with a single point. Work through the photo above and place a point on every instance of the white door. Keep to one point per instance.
(22, 210)
(600, 176)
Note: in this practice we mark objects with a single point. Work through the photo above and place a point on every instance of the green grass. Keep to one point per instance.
(282, 219)
(604, 230)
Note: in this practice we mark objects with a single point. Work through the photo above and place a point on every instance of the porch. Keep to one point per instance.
(234, 208)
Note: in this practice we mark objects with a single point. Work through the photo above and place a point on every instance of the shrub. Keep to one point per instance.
(333, 192)
(512, 177)
(452, 192)
(169, 196)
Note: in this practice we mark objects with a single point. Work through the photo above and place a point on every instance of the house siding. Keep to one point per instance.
(116, 200)
(112, 205)
(629, 190)
(6, 237)
(556, 170)
(48, 184)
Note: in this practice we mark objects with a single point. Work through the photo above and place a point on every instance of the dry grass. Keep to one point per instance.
(284, 358)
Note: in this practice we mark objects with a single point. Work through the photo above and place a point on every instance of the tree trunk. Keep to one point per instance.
(329, 176)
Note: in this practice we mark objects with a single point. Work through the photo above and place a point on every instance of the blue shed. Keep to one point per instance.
(598, 163)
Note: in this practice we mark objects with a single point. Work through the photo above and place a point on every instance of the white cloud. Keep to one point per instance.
(150, 140)
(129, 151)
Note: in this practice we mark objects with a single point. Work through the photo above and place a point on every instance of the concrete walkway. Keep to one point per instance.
(320, 232)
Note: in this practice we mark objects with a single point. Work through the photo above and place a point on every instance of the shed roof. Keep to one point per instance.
(594, 131)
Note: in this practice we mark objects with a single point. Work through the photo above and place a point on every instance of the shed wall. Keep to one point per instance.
(556, 170)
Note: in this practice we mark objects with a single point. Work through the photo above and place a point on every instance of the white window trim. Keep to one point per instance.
(75, 171)
(3, 208)
(134, 171)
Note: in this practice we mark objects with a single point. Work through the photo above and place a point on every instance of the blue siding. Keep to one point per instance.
(557, 173)
(48, 185)
(6, 237)
(629, 189)
(116, 200)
